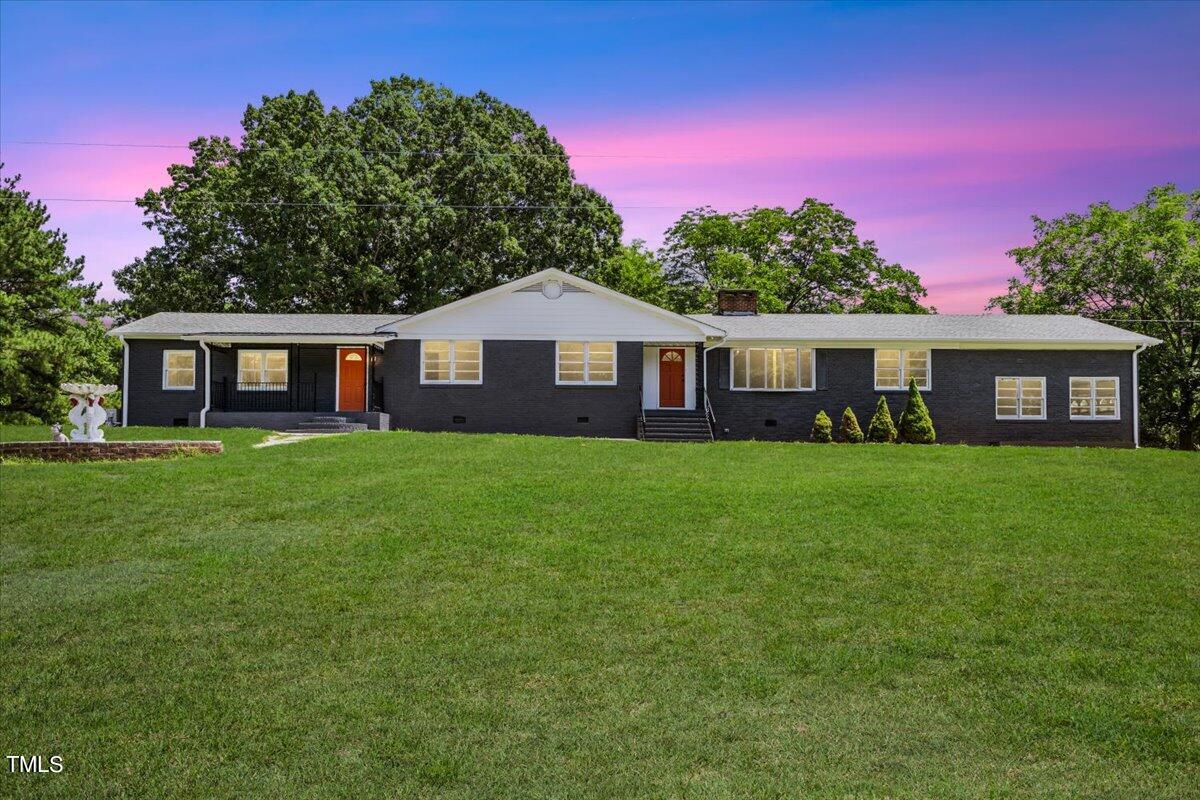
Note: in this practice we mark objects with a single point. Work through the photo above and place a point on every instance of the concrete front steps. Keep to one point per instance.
(676, 426)
(328, 424)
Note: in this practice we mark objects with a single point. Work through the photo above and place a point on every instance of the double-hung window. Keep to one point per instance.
(771, 369)
(1095, 398)
(263, 370)
(451, 361)
(179, 370)
(895, 368)
(1020, 398)
(586, 363)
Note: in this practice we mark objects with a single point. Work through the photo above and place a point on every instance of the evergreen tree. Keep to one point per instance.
(881, 428)
(916, 426)
(51, 327)
(849, 430)
(822, 429)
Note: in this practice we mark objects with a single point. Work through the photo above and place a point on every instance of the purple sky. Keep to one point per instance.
(940, 128)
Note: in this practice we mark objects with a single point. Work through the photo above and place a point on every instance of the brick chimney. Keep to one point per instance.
(737, 302)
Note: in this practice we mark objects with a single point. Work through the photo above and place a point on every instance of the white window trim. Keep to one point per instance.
(1019, 417)
(243, 387)
(452, 380)
(165, 355)
(587, 350)
(1092, 417)
(812, 369)
(903, 387)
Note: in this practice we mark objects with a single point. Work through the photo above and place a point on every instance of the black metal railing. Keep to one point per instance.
(230, 395)
(711, 417)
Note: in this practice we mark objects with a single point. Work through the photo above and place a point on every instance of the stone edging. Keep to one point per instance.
(106, 451)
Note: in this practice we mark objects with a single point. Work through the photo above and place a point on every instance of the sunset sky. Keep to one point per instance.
(939, 128)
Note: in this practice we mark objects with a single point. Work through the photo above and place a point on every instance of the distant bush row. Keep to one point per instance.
(916, 426)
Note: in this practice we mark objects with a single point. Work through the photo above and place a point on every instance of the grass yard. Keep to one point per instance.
(439, 615)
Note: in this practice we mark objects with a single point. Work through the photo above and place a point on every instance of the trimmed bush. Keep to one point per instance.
(916, 426)
(881, 428)
(822, 430)
(849, 430)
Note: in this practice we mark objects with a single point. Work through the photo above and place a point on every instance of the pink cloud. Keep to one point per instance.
(109, 235)
(944, 183)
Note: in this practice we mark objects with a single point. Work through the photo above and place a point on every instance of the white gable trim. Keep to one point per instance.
(399, 326)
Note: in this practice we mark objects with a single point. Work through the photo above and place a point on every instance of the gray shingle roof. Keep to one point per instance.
(1031, 328)
(813, 327)
(186, 324)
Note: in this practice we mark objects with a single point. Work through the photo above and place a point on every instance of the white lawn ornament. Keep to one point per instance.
(56, 434)
(87, 410)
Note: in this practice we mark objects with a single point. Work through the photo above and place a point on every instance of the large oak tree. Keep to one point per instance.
(409, 197)
(1138, 268)
(807, 260)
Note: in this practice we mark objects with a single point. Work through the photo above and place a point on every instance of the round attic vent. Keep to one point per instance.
(552, 290)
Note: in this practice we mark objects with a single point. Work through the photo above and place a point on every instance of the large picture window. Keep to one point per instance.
(1020, 398)
(587, 363)
(262, 370)
(179, 370)
(452, 361)
(895, 368)
(771, 369)
(1095, 398)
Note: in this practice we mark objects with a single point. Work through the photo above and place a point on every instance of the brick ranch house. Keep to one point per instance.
(552, 353)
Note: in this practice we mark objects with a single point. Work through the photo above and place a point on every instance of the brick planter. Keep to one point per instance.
(105, 451)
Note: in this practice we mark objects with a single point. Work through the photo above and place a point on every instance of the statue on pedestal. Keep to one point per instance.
(87, 410)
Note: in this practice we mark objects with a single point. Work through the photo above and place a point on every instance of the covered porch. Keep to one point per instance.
(285, 384)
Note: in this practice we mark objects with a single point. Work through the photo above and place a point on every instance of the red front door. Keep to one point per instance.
(352, 379)
(670, 377)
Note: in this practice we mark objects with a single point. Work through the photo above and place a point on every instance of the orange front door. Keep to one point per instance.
(352, 379)
(670, 377)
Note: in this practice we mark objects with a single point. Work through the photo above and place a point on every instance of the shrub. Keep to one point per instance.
(822, 430)
(916, 426)
(849, 430)
(881, 428)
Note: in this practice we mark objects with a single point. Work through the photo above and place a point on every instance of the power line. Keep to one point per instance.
(426, 153)
(291, 204)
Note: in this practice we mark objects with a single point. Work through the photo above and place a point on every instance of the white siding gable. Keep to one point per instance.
(522, 311)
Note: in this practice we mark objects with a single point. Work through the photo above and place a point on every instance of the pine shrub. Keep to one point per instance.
(916, 426)
(849, 430)
(822, 430)
(881, 428)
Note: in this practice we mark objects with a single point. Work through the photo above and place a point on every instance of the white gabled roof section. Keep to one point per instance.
(583, 311)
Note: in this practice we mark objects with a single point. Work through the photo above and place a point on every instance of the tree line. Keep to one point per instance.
(414, 195)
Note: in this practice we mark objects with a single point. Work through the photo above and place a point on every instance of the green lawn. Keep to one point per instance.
(424, 615)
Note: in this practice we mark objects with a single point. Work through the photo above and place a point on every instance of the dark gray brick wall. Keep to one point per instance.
(518, 394)
(148, 403)
(962, 400)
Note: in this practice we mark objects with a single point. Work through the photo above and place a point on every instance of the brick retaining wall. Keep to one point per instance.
(105, 451)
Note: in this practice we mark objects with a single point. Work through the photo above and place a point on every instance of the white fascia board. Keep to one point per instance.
(928, 344)
(543, 337)
(556, 274)
(277, 338)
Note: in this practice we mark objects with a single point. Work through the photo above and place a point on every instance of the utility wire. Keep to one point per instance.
(428, 153)
(283, 203)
